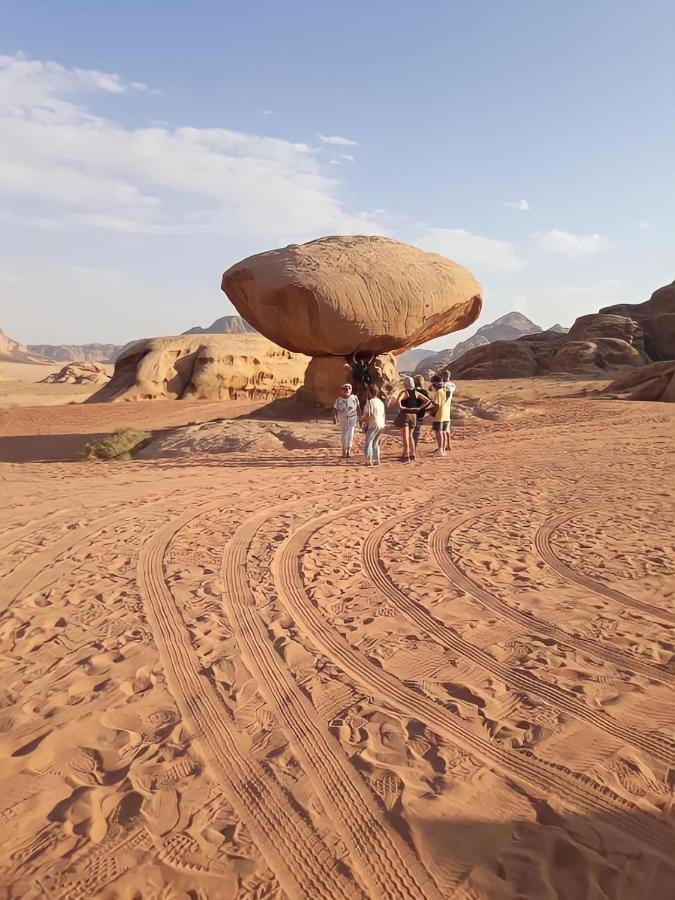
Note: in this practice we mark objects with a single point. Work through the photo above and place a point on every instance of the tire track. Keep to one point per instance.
(565, 701)
(542, 542)
(384, 863)
(301, 861)
(438, 542)
(575, 792)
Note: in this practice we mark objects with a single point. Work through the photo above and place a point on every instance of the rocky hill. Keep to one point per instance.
(105, 353)
(224, 325)
(509, 327)
(617, 337)
(13, 351)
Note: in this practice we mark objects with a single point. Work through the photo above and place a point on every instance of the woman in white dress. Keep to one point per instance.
(346, 414)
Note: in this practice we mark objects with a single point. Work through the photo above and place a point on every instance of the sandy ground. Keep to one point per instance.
(20, 386)
(228, 675)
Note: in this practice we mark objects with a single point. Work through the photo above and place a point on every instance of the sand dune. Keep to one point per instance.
(259, 672)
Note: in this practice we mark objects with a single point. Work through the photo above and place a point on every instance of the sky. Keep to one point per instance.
(147, 146)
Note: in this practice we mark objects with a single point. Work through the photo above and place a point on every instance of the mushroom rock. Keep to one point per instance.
(204, 367)
(337, 295)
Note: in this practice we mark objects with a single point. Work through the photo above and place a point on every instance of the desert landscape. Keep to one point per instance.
(337, 451)
(235, 665)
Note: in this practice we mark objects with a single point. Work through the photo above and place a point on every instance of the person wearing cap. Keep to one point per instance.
(441, 419)
(346, 414)
(410, 401)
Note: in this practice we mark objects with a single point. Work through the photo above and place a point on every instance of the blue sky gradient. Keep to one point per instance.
(533, 142)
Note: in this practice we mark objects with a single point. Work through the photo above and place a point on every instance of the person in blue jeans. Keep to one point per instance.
(373, 419)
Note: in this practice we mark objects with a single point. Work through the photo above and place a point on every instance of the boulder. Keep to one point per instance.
(652, 382)
(78, 373)
(338, 295)
(204, 367)
(595, 356)
(500, 359)
(605, 325)
(656, 316)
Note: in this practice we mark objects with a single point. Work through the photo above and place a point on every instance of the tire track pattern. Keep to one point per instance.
(542, 542)
(565, 701)
(301, 861)
(439, 541)
(387, 867)
(576, 792)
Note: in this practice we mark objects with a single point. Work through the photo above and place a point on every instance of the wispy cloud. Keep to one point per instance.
(644, 226)
(348, 156)
(60, 159)
(518, 204)
(567, 244)
(337, 141)
(472, 250)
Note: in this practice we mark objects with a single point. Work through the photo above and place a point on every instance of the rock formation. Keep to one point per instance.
(657, 319)
(629, 335)
(338, 295)
(224, 325)
(509, 327)
(653, 382)
(106, 353)
(13, 351)
(78, 373)
(204, 367)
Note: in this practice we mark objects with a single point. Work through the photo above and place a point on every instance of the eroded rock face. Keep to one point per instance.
(652, 382)
(656, 316)
(78, 373)
(204, 367)
(501, 359)
(325, 375)
(337, 295)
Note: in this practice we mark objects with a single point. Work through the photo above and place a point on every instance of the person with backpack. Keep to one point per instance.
(409, 402)
(419, 385)
(361, 374)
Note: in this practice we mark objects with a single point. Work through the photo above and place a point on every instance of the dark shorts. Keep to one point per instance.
(407, 420)
(441, 426)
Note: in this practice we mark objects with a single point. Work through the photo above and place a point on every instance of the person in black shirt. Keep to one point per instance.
(419, 386)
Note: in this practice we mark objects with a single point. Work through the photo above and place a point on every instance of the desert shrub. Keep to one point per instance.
(117, 445)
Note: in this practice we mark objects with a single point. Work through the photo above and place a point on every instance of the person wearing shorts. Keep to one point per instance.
(440, 423)
(410, 401)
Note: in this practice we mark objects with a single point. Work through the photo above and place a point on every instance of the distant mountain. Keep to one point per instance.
(224, 325)
(105, 353)
(408, 361)
(13, 351)
(507, 328)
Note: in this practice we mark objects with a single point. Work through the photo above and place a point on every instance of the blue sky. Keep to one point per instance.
(146, 146)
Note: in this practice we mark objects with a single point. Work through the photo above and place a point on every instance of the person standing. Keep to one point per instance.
(373, 418)
(441, 418)
(449, 387)
(346, 414)
(409, 402)
(419, 387)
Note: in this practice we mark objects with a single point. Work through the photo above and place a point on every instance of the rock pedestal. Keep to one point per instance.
(325, 375)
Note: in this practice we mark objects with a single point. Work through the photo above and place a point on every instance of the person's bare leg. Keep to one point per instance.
(404, 437)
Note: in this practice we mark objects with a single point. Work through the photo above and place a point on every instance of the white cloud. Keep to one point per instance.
(68, 163)
(472, 250)
(644, 226)
(337, 141)
(266, 112)
(348, 156)
(519, 204)
(572, 245)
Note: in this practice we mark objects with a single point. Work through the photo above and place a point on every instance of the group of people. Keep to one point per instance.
(413, 404)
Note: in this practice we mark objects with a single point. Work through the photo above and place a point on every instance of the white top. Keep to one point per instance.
(374, 412)
(347, 407)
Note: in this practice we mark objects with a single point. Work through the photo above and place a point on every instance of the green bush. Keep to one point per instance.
(117, 445)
